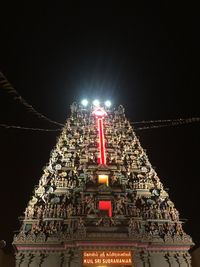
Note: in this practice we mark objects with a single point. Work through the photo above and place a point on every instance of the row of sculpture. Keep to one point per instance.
(50, 205)
(134, 228)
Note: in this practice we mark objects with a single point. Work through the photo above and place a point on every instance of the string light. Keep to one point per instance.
(5, 85)
(155, 121)
(28, 128)
(152, 121)
(173, 123)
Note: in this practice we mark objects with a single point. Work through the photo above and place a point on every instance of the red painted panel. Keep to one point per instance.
(106, 205)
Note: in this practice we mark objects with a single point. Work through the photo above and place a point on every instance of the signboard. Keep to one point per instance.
(103, 257)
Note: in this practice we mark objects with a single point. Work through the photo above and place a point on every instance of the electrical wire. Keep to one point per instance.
(155, 121)
(5, 85)
(28, 128)
(173, 123)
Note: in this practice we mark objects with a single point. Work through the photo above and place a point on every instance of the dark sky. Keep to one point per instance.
(144, 57)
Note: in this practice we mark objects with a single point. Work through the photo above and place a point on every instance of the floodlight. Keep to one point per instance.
(96, 103)
(108, 104)
(84, 102)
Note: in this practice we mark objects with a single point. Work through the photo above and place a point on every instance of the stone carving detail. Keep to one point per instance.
(41, 237)
(172, 259)
(66, 204)
(81, 230)
(31, 238)
(21, 237)
(18, 259)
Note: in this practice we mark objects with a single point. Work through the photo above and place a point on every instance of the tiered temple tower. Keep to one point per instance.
(99, 201)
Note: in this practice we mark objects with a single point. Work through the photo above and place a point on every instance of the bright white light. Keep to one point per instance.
(108, 104)
(96, 103)
(84, 102)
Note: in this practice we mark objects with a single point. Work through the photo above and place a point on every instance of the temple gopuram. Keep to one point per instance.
(99, 201)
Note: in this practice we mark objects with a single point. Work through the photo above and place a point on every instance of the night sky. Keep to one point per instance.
(145, 58)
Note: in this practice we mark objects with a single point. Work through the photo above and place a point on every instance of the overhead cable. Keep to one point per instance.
(155, 121)
(173, 123)
(5, 85)
(28, 128)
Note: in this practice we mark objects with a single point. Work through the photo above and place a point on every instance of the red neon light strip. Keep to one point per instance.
(101, 142)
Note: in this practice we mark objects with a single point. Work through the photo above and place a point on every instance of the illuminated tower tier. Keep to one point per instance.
(99, 201)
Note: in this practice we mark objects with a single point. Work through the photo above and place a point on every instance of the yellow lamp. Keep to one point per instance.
(103, 179)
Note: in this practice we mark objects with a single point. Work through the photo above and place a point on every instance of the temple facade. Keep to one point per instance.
(99, 201)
